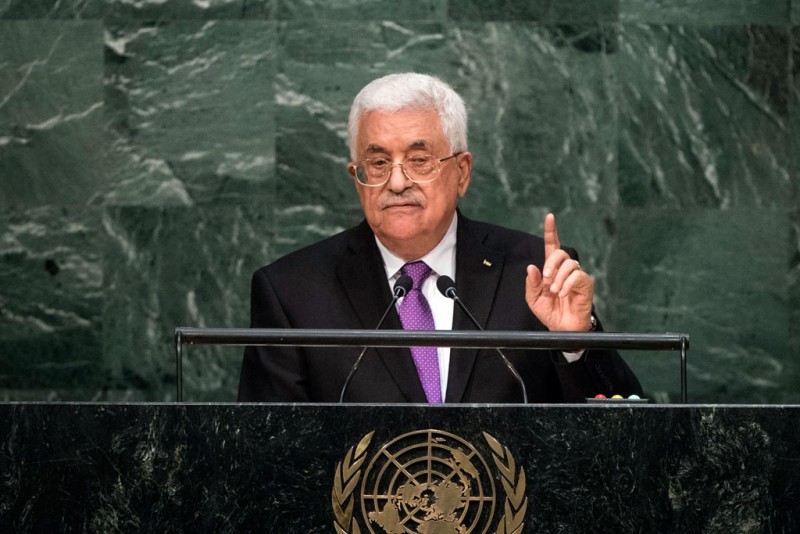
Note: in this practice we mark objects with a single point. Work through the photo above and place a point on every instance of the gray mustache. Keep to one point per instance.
(407, 197)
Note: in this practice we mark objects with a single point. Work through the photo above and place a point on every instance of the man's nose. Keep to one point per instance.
(398, 181)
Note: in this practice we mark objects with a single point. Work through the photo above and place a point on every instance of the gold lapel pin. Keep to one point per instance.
(487, 263)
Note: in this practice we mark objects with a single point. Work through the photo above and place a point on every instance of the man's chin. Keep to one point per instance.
(400, 234)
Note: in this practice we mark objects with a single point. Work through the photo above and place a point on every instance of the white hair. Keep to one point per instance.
(410, 90)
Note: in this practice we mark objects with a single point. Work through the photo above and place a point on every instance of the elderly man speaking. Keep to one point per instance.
(410, 165)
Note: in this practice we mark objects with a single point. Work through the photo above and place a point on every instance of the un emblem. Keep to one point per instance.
(427, 482)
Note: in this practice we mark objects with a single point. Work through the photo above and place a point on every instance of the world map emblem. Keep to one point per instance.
(428, 482)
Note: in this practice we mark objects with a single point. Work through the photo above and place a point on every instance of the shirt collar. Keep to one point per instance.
(442, 259)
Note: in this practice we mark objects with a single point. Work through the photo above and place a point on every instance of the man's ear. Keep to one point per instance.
(464, 162)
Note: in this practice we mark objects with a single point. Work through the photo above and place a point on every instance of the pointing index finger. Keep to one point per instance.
(551, 242)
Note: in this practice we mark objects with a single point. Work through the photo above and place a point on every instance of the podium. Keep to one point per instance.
(96, 467)
(356, 468)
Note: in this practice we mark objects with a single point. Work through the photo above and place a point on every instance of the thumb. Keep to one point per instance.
(533, 284)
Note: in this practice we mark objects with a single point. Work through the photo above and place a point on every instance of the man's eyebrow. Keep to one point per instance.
(415, 145)
(373, 149)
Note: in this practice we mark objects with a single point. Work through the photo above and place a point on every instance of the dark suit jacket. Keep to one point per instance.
(340, 282)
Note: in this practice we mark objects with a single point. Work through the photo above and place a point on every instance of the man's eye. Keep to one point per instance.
(379, 163)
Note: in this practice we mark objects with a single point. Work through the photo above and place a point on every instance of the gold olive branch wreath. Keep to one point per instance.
(516, 503)
(344, 482)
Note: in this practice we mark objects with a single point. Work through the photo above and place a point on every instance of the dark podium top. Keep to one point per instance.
(306, 468)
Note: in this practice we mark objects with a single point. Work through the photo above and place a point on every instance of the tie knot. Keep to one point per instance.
(418, 271)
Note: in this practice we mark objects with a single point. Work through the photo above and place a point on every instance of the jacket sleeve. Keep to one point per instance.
(277, 373)
(596, 371)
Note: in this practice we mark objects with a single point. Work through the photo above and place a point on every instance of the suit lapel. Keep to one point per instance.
(363, 277)
(478, 270)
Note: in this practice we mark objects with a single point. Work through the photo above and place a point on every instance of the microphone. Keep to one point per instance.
(401, 287)
(447, 288)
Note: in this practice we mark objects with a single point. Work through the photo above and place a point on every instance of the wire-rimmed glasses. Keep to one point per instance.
(419, 168)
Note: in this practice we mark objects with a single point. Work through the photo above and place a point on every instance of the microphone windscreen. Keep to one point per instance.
(446, 286)
(403, 284)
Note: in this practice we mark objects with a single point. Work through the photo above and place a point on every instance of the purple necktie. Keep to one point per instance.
(415, 314)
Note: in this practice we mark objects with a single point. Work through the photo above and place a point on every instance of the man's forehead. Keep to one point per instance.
(380, 119)
(402, 129)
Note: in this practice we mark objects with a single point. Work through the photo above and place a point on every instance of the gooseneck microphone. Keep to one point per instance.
(401, 287)
(447, 288)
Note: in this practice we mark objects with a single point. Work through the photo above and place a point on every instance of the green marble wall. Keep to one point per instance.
(154, 153)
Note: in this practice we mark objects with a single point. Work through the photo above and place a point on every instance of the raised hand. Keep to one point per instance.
(561, 294)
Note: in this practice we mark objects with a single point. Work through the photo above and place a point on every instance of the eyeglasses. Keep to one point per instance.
(420, 169)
